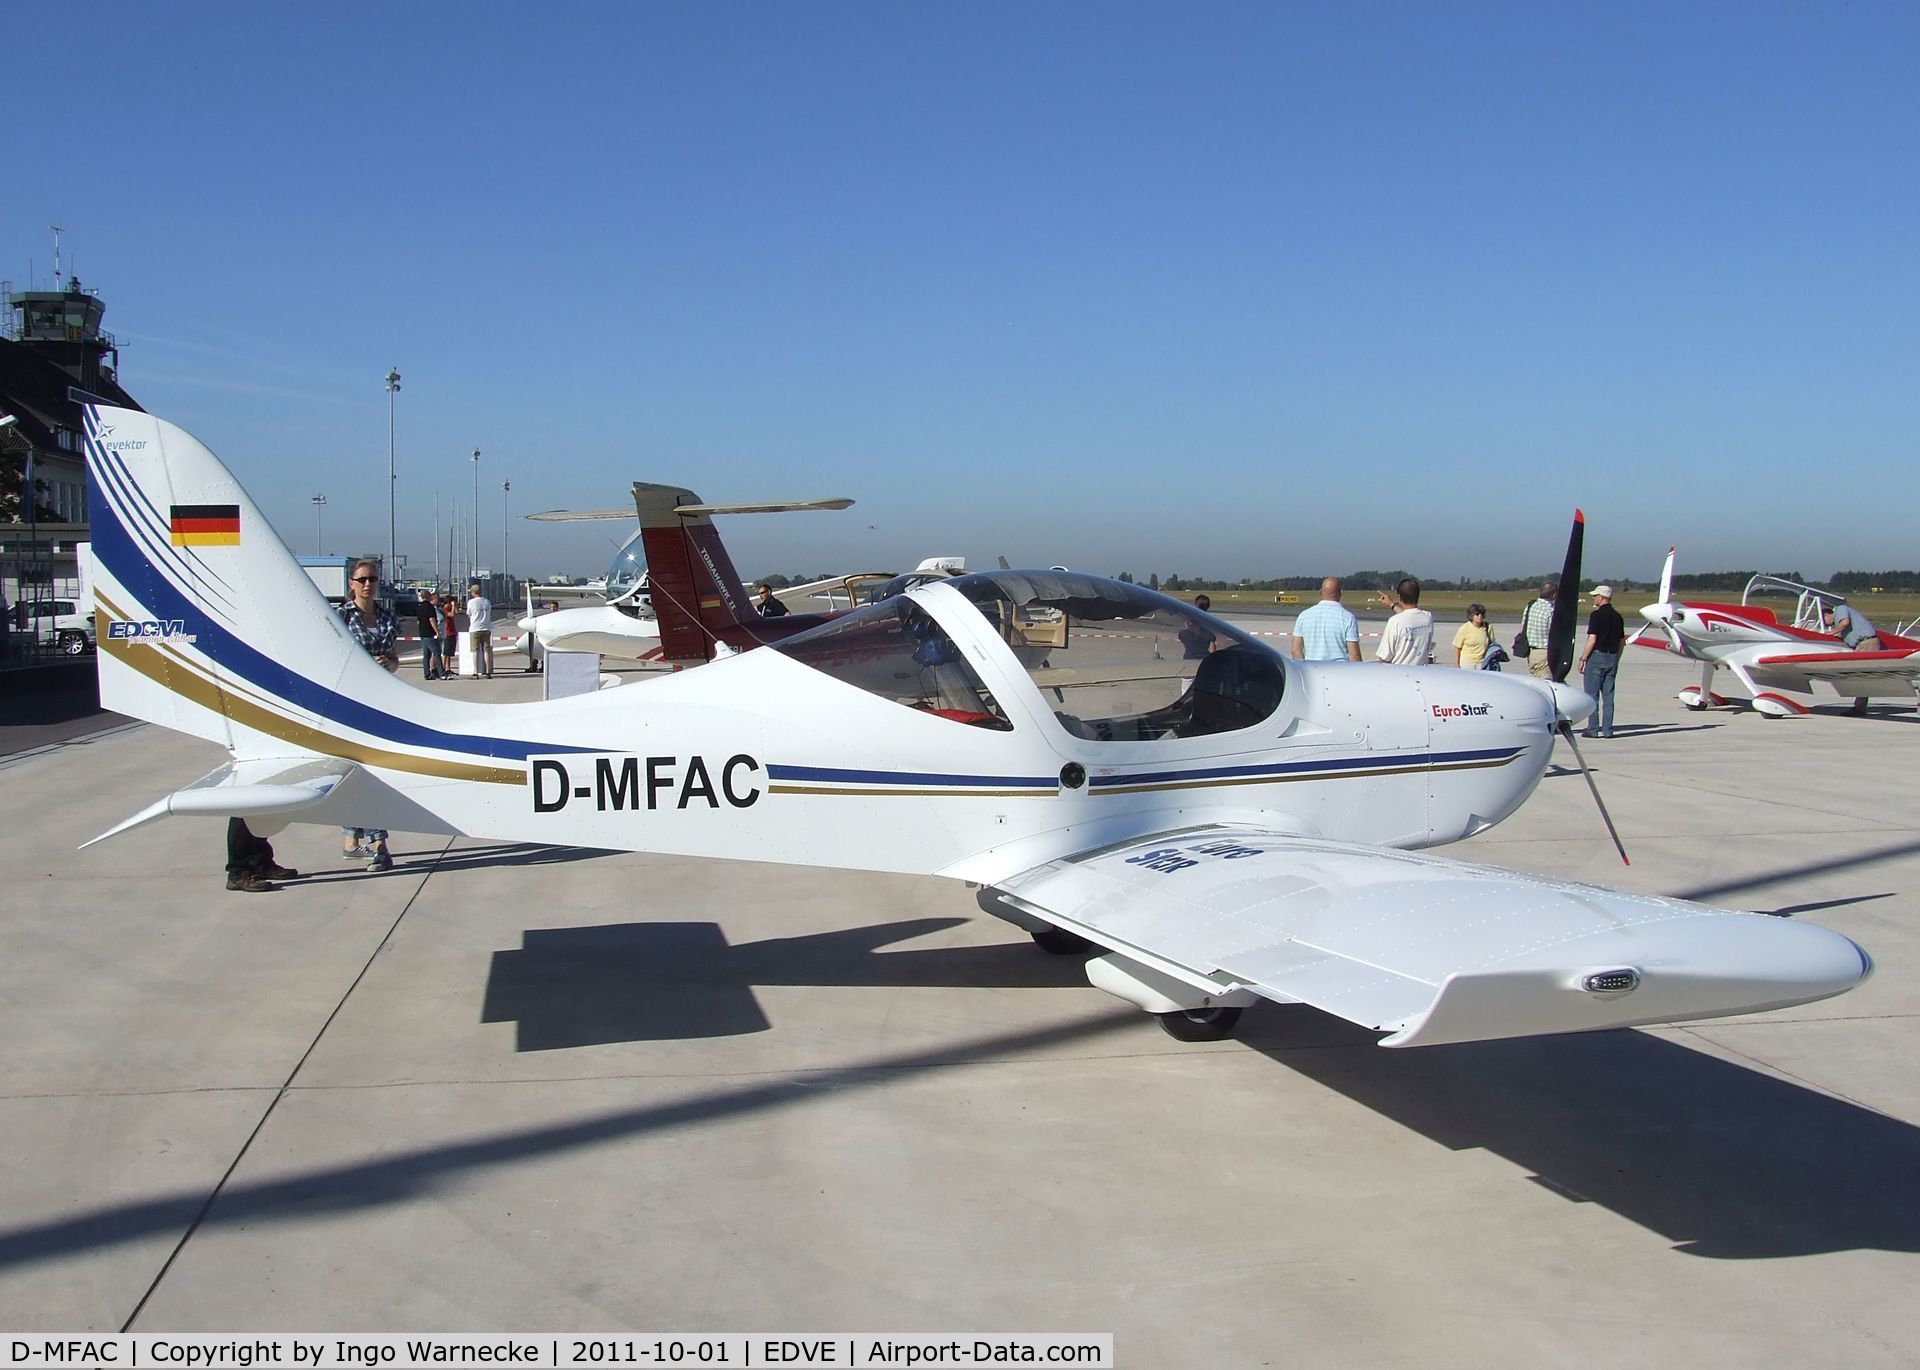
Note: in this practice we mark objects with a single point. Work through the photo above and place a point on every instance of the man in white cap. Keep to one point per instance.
(1600, 659)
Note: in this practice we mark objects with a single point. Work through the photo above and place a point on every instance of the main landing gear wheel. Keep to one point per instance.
(1200, 1024)
(1060, 942)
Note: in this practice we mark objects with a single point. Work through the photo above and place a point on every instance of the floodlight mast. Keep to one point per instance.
(393, 388)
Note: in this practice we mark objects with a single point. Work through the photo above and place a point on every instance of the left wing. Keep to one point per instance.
(1425, 949)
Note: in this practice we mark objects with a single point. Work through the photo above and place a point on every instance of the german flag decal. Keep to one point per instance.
(205, 525)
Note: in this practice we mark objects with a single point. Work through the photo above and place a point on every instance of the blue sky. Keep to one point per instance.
(1218, 290)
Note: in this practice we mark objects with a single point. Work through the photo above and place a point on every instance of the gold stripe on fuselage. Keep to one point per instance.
(172, 670)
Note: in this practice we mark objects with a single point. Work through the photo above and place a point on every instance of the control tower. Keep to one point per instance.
(63, 326)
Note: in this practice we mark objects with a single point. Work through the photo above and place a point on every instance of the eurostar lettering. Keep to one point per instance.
(1170, 859)
(1461, 710)
(621, 783)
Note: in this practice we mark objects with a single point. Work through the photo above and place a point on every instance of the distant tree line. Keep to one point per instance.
(1843, 581)
(1872, 580)
(1354, 580)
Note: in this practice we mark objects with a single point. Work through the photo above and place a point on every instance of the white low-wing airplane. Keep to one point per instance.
(626, 622)
(1766, 655)
(1227, 828)
(674, 566)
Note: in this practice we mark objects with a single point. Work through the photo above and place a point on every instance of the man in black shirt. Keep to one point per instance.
(1600, 659)
(768, 606)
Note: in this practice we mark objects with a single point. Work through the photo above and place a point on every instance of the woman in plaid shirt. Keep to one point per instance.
(373, 627)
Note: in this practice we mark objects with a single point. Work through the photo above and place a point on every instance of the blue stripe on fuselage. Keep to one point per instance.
(117, 551)
(1407, 761)
(835, 776)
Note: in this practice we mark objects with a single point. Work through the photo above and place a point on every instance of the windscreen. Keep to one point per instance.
(628, 571)
(1117, 663)
(898, 651)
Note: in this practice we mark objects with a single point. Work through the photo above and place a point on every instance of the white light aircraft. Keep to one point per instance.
(1767, 655)
(673, 564)
(1224, 829)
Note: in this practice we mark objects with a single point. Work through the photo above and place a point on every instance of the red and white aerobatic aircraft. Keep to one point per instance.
(1766, 655)
(1225, 829)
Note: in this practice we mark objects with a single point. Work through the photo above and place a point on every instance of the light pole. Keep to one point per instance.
(7, 421)
(6, 630)
(476, 513)
(506, 488)
(319, 503)
(393, 388)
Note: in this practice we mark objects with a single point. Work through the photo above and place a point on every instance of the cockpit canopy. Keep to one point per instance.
(627, 577)
(1112, 662)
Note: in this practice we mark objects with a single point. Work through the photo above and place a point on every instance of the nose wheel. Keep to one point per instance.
(1200, 1024)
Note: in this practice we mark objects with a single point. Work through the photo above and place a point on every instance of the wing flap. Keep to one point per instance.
(1425, 948)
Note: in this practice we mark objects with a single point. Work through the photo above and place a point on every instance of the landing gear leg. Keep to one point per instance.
(1200, 1024)
(1060, 942)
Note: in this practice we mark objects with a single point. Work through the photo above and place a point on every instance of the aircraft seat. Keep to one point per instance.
(1233, 689)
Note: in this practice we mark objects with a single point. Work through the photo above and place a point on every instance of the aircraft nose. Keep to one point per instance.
(1657, 613)
(1571, 704)
(1566, 702)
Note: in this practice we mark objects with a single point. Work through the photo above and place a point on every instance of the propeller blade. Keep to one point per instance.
(1666, 579)
(1566, 731)
(1566, 605)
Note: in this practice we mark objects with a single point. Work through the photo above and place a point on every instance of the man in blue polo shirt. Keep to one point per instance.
(1327, 631)
(1856, 630)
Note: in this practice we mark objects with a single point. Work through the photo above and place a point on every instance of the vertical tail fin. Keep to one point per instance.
(698, 596)
(205, 622)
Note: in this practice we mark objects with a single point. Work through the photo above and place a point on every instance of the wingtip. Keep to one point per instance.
(1579, 516)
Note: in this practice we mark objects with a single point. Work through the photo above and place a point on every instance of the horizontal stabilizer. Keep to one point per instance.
(799, 506)
(268, 788)
(792, 506)
(577, 515)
